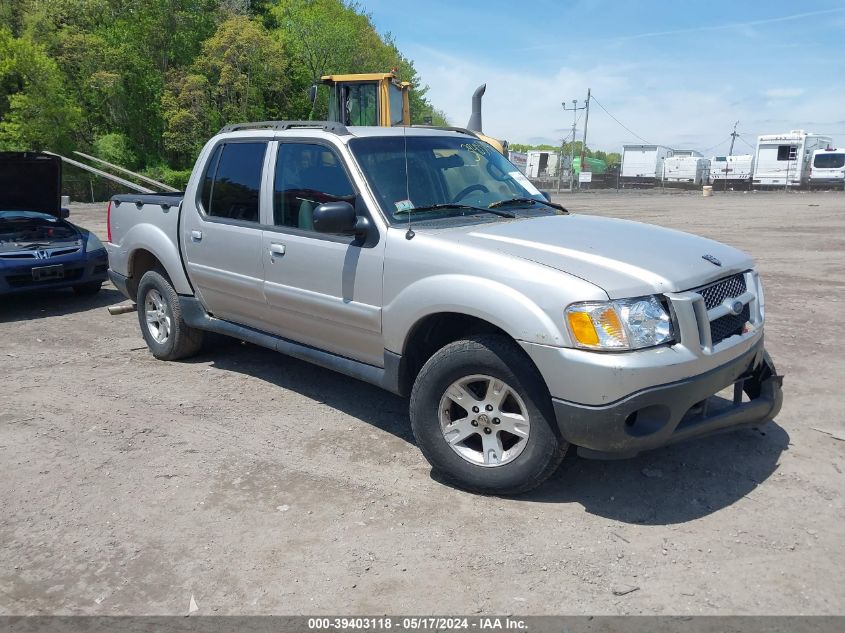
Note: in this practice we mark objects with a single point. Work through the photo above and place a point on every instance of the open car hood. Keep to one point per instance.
(31, 181)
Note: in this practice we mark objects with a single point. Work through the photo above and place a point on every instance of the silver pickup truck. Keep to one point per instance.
(422, 261)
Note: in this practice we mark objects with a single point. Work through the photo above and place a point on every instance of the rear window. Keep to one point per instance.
(787, 152)
(829, 160)
(233, 180)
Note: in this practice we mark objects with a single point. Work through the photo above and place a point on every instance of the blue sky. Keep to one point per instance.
(676, 73)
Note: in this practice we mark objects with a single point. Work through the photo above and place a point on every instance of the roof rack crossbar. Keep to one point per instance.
(328, 126)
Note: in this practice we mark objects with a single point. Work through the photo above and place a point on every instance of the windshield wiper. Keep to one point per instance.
(553, 205)
(456, 205)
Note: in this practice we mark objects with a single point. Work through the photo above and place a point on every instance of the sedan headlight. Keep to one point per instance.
(623, 324)
(93, 243)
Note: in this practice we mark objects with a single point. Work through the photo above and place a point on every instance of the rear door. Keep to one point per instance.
(324, 290)
(222, 233)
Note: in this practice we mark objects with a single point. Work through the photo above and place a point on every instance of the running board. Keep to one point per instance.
(387, 377)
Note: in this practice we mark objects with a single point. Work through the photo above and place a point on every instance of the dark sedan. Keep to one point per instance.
(39, 248)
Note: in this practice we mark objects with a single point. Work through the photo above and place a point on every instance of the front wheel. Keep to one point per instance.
(482, 417)
(160, 316)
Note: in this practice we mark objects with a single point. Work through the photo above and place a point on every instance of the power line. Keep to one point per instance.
(747, 143)
(704, 151)
(619, 122)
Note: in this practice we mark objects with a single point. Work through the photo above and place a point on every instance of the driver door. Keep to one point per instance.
(324, 290)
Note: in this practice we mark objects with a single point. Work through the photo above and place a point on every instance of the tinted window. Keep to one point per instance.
(233, 186)
(829, 161)
(360, 104)
(395, 105)
(307, 175)
(208, 179)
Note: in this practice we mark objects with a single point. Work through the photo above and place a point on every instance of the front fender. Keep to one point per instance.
(486, 299)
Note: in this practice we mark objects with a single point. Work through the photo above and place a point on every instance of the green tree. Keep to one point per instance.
(35, 109)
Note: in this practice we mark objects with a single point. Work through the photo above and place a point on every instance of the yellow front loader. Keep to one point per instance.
(380, 99)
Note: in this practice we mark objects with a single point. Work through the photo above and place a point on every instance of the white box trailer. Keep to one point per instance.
(783, 160)
(541, 164)
(643, 164)
(827, 168)
(732, 170)
(689, 169)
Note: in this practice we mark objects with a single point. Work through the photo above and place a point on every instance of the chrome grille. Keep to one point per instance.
(47, 253)
(716, 293)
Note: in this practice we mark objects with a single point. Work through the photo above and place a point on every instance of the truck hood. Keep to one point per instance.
(31, 181)
(624, 258)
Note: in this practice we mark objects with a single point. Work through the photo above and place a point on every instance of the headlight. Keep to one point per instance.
(620, 325)
(93, 243)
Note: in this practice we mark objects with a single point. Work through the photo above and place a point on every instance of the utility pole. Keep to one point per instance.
(730, 153)
(574, 109)
(584, 142)
(733, 138)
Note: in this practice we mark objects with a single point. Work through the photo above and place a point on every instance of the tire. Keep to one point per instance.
(88, 289)
(490, 459)
(160, 317)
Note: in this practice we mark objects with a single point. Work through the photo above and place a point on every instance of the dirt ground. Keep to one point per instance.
(256, 483)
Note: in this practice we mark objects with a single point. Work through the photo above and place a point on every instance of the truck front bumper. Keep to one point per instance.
(676, 411)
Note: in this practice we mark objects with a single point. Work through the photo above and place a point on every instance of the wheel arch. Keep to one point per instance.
(150, 248)
(434, 331)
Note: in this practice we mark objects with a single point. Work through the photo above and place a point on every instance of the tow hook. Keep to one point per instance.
(115, 310)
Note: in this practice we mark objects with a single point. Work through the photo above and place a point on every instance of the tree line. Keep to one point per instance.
(569, 149)
(144, 83)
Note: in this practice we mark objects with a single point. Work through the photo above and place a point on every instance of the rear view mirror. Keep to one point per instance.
(312, 94)
(64, 213)
(547, 196)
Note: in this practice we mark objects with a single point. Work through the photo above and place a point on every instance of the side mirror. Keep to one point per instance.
(312, 94)
(64, 213)
(547, 196)
(335, 217)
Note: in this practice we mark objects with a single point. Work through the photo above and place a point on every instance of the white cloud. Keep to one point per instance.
(783, 93)
(663, 104)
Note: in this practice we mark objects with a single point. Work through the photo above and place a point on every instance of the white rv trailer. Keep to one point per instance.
(688, 169)
(732, 170)
(784, 159)
(827, 168)
(541, 164)
(686, 152)
(643, 164)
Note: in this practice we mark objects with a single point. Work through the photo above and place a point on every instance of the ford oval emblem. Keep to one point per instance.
(713, 260)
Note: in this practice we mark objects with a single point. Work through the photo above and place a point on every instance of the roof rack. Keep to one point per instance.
(328, 126)
(448, 128)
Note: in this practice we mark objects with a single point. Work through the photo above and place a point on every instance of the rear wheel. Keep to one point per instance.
(160, 316)
(482, 417)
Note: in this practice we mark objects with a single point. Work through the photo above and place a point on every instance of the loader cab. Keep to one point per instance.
(376, 99)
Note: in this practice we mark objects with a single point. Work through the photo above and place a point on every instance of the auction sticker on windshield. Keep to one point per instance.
(522, 180)
(404, 205)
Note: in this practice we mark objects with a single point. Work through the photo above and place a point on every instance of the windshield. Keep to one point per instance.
(441, 170)
(829, 161)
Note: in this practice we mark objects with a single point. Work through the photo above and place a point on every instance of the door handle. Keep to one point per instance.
(196, 236)
(277, 249)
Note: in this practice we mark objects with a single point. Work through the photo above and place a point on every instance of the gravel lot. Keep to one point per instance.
(260, 484)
